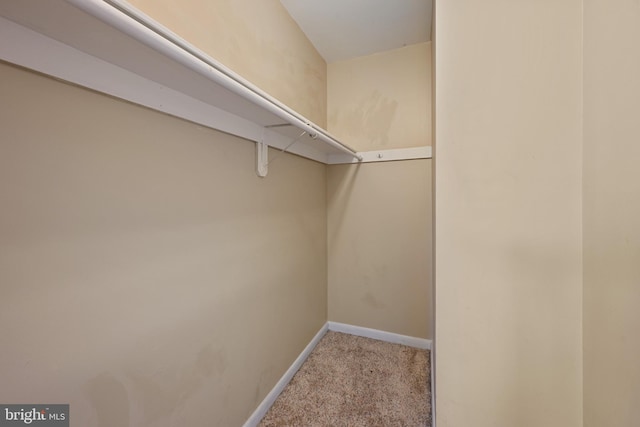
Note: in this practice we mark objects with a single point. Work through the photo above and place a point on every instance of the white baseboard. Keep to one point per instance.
(375, 334)
(380, 335)
(264, 406)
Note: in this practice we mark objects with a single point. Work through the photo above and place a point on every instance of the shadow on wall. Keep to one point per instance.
(368, 119)
(346, 176)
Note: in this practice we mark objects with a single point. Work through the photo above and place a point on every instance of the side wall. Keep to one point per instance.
(258, 40)
(379, 217)
(148, 276)
(508, 208)
(148, 245)
(611, 213)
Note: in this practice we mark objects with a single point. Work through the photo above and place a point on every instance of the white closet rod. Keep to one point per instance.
(127, 19)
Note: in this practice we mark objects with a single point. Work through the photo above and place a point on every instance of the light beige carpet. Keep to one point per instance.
(354, 381)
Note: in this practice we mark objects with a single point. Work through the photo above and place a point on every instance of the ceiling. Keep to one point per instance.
(345, 29)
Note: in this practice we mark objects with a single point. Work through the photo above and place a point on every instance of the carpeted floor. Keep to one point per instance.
(354, 381)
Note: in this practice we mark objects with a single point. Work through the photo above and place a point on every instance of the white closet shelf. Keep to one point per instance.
(110, 47)
(387, 155)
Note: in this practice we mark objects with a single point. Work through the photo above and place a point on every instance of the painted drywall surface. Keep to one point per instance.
(379, 217)
(382, 101)
(432, 274)
(611, 213)
(148, 276)
(256, 39)
(508, 258)
(379, 222)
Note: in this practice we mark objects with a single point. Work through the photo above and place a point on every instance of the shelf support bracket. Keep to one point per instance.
(262, 150)
(262, 156)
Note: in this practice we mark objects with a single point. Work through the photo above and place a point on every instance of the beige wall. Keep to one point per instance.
(148, 276)
(382, 101)
(379, 221)
(256, 39)
(611, 213)
(508, 213)
(379, 218)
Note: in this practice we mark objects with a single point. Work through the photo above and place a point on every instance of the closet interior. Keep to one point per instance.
(194, 196)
